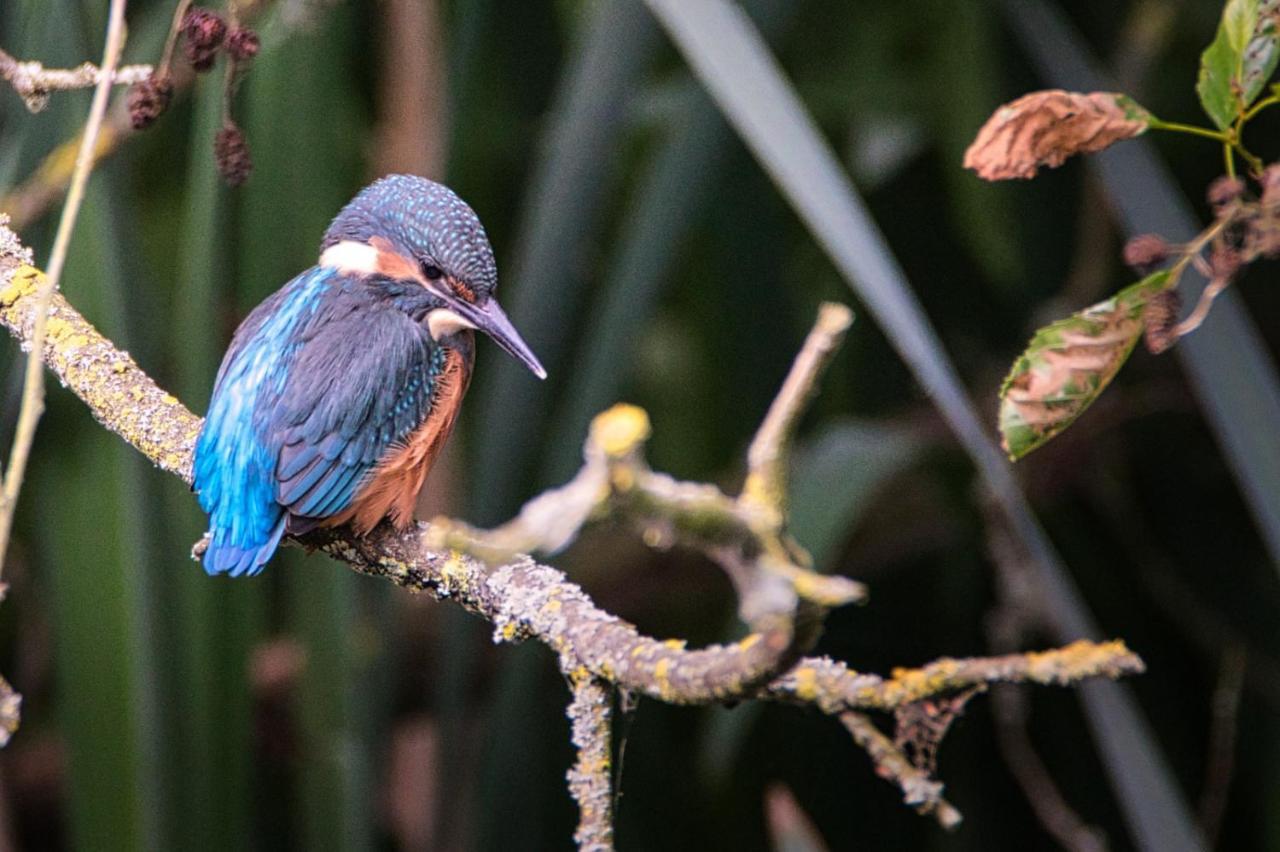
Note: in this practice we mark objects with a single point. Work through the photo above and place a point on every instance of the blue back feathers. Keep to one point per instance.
(320, 381)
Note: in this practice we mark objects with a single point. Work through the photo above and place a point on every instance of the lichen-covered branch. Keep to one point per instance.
(32, 405)
(523, 599)
(780, 598)
(766, 485)
(833, 687)
(591, 778)
(34, 83)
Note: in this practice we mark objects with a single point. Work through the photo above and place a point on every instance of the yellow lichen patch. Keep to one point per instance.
(745, 643)
(454, 569)
(806, 683)
(56, 328)
(757, 491)
(25, 282)
(618, 430)
(509, 631)
(579, 674)
(675, 644)
(1078, 659)
(169, 399)
(812, 587)
(552, 605)
(662, 674)
(637, 651)
(917, 683)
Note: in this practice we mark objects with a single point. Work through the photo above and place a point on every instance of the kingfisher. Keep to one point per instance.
(338, 392)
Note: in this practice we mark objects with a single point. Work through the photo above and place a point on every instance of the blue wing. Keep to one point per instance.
(368, 383)
(320, 380)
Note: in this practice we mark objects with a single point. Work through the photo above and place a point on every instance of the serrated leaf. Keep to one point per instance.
(1068, 364)
(1044, 128)
(1221, 81)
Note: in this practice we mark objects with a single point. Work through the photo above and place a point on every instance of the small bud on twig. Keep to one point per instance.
(204, 32)
(147, 99)
(231, 154)
(243, 44)
(1145, 252)
(1225, 191)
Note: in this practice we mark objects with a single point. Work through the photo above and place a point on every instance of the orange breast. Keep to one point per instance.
(393, 488)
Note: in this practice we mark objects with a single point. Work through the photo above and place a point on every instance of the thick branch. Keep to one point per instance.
(524, 599)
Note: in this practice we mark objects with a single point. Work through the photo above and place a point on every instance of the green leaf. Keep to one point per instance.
(1262, 52)
(1068, 364)
(1222, 72)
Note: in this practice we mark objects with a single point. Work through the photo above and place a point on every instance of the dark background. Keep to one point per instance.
(648, 258)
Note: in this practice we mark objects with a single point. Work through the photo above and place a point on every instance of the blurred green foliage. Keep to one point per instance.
(650, 259)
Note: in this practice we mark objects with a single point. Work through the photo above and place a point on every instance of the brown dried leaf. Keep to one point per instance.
(1045, 128)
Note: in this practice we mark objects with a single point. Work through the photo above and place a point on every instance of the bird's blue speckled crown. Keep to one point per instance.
(424, 220)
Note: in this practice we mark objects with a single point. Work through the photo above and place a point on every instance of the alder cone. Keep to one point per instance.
(231, 155)
(1045, 128)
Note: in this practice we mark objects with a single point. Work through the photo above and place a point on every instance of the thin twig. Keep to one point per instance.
(36, 194)
(33, 82)
(833, 687)
(33, 388)
(171, 40)
(590, 779)
(1197, 316)
(918, 789)
(767, 455)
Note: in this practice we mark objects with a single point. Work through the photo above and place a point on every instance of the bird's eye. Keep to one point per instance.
(431, 271)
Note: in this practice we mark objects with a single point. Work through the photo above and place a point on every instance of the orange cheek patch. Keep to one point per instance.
(392, 263)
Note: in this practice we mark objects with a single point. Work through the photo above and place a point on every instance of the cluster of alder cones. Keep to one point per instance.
(205, 34)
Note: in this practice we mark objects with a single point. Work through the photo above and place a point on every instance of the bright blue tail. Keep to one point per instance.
(240, 560)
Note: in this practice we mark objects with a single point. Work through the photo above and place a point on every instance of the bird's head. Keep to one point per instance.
(408, 228)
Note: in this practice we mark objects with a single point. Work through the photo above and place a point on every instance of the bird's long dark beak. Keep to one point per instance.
(492, 320)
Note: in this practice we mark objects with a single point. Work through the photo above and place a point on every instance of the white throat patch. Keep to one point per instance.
(443, 322)
(350, 256)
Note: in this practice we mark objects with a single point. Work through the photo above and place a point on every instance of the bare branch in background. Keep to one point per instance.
(42, 189)
(34, 83)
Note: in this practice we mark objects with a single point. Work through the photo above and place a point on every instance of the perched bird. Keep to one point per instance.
(339, 390)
